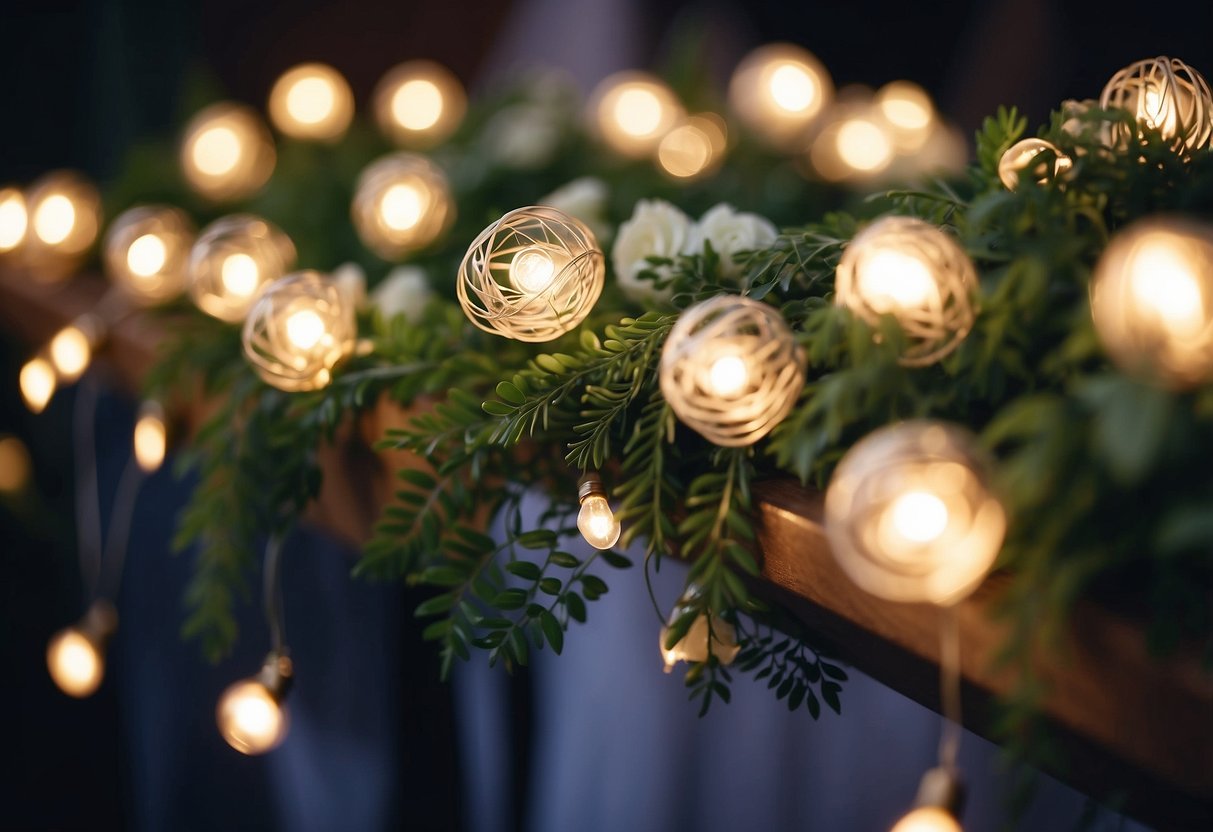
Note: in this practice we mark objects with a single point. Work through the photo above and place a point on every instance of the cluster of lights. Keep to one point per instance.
(63, 361)
(50, 225)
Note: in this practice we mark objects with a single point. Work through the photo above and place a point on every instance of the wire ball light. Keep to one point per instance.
(1022, 158)
(402, 204)
(533, 275)
(298, 329)
(910, 516)
(910, 269)
(227, 152)
(147, 253)
(1164, 94)
(419, 103)
(1152, 301)
(64, 217)
(232, 259)
(731, 369)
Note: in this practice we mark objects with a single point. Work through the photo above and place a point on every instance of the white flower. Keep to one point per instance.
(405, 291)
(656, 229)
(523, 136)
(351, 283)
(585, 199)
(730, 231)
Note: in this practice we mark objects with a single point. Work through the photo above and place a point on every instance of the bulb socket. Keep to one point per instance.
(590, 485)
(276, 675)
(941, 788)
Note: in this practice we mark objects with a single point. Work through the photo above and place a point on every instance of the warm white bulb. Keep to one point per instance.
(217, 150)
(532, 271)
(70, 353)
(304, 329)
(638, 111)
(150, 441)
(417, 104)
(75, 664)
(13, 219)
(250, 718)
(863, 145)
(310, 100)
(37, 381)
(402, 207)
(1162, 279)
(891, 281)
(240, 275)
(728, 376)
(792, 88)
(597, 522)
(919, 517)
(146, 255)
(54, 219)
(927, 819)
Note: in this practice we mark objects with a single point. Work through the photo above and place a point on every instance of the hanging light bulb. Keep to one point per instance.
(147, 253)
(401, 205)
(595, 520)
(731, 369)
(313, 102)
(150, 437)
(778, 91)
(1152, 301)
(910, 269)
(64, 211)
(37, 382)
(71, 349)
(533, 275)
(419, 103)
(75, 656)
(694, 148)
(909, 514)
(14, 219)
(937, 808)
(250, 714)
(1162, 94)
(1021, 157)
(297, 331)
(232, 259)
(633, 111)
(694, 646)
(227, 152)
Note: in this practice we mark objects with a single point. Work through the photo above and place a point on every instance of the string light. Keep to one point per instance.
(37, 382)
(908, 112)
(71, 349)
(533, 275)
(250, 713)
(14, 219)
(909, 514)
(694, 148)
(1022, 156)
(937, 807)
(907, 268)
(150, 437)
(227, 152)
(64, 211)
(857, 145)
(731, 369)
(595, 520)
(708, 635)
(419, 104)
(147, 253)
(778, 91)
(297, 331)
(1166, 95)
(232, 259)
(633, 111)
(313, 102)
(75, 656)
(1152, 301)
(401, 205)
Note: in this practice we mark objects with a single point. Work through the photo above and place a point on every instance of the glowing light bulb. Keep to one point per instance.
(908, 112)
(927, 819)
(13, 219)
(778, 90)
(417, 104)
(70, 352)
(54, 219)
(37, 381)
(693, 148)
(217, 151)
(1164, 281)
(596, 521)
(227, 152)
(75, 663)
(693, 647)
(793, 88)
(14, 465)
(1020, 157)
(532, 270)
(312, 102)
(863, 145)
(892, 281)
(633, 111)
(305, 329)
(150, 438)
(638, 112)
(146, 255)
(250, 718)
(728, 376)
(402, 207)
(919, 516)
(240, 274)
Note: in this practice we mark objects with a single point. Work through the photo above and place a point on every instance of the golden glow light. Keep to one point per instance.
(778, 91)
(146, 255)
(250, 718)
(75, 663)
(401, 205)
(419, 103)
(14, 465)
(909, 113)
(1166, 95)
(863, 145)
(533, 269)
(71, 351)
(147, 251)
(227, 152)
(13, 219)
(151, 437)
(232, 259)
(64, 212)
(731, 369)
(633, 111)
(313, 102)
(1152, 301)
(927, 819)
(693, 148)
(915, 272)
(909, 514)
(1021, 157)
(37, 382)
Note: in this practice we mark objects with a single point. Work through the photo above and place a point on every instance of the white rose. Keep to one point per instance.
(730, 231)
(405, 291)
(351, 283)
(585, 199)
(656, 229)
(523, 136)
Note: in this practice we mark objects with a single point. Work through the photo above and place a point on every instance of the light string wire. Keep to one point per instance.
(949, 687)
(272, 589)
(117, 541)
(88, 497)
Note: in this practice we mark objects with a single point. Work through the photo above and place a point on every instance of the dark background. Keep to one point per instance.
(80, 81)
